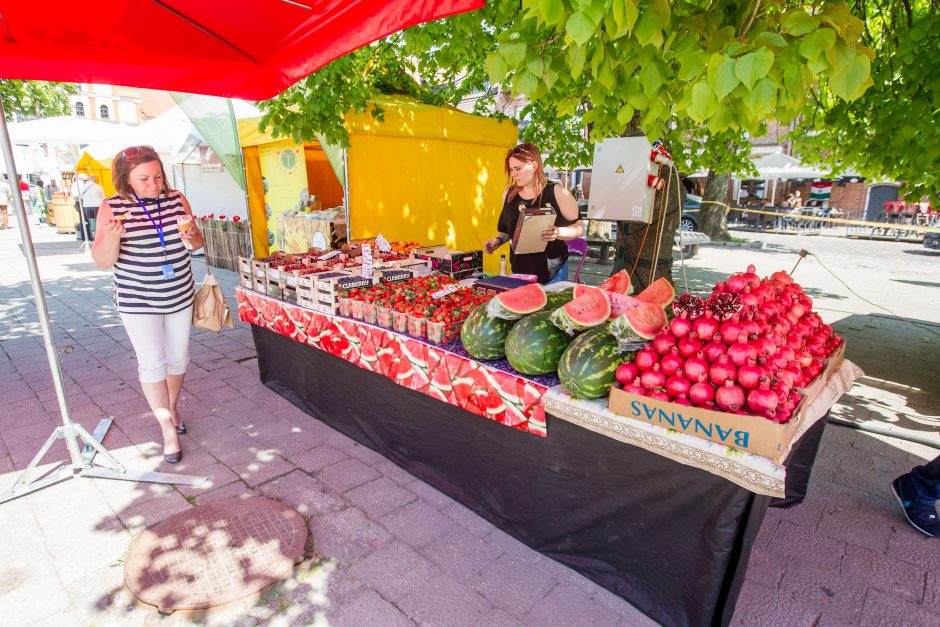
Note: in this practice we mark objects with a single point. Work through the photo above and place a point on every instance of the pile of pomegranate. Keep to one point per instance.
(746, 349)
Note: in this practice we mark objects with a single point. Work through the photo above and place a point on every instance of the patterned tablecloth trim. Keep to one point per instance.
(752, 472)
(446, 376)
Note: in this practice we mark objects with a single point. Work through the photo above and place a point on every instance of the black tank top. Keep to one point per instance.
(534, 263)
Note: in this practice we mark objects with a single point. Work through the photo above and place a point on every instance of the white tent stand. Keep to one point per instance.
(80, 466)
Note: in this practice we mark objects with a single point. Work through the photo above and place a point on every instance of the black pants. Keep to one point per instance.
(926, 479)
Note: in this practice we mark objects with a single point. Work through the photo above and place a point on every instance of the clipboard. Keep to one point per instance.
(528, 236)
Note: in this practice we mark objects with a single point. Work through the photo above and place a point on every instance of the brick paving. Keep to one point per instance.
(391, 550)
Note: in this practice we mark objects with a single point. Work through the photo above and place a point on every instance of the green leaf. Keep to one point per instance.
(496, 67)
(553, 11)
(618, 13)
(721, 76)
(631, 13)
(754, 66)
(851, 81)
(762, 98)
(647, 30)
(691, 64)
(799, 22)
(513, 53)
(818, 42)
(722, 120)
(768, 39)
(625, 114)
(575, 56)
(661, 11)
(526, 84)
(606, 77)
(704, 103)
(651, 78)
(580, 28)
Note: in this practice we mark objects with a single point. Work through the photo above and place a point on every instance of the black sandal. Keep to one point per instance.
(173, 458)
(181, 428)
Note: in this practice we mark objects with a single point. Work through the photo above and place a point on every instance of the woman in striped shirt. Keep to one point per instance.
(139, 237)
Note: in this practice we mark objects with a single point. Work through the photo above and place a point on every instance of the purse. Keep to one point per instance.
(209, 309)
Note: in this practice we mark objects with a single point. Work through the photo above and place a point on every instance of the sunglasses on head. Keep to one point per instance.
(133, 151)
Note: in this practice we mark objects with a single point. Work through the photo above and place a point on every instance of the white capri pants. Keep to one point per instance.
(160, 341)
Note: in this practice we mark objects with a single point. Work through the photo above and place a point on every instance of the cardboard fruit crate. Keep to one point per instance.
(751, 434)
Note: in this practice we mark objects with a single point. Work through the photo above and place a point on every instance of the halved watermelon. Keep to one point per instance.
(647, 321)
(660, 292)
(518, 302)
(586, 311)
(620, 303)
(618, 283)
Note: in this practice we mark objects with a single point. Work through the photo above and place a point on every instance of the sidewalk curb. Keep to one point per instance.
(752, 245)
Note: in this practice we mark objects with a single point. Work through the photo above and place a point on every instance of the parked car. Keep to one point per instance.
(690, 213)
(932, 241)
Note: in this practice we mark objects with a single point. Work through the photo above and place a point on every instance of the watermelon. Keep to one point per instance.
(660, 292)
(618, 283)
(588, 366)
(588, 310)
(484, 336)
(518, 302)
(645, 321)
(554, 300)
(534, 344)
(620, 303)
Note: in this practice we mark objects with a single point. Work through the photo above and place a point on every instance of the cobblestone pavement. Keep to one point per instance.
(390, 549)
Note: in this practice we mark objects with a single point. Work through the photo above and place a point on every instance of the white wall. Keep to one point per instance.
(211, 192)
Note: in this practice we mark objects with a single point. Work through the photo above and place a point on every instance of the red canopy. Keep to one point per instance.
(252, 49)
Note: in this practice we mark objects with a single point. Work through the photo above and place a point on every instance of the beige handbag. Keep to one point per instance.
(209, 309)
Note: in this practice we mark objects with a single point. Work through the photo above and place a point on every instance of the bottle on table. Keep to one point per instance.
(503, 266)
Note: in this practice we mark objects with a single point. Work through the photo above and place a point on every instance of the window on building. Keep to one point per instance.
(103, 112)
(80, 109)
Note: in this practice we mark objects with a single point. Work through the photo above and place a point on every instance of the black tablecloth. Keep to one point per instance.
(671, 539)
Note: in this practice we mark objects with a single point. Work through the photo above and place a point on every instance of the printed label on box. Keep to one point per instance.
(444, 292)
(394, 276)
(382, 243)
(352, 282)
(366, 261)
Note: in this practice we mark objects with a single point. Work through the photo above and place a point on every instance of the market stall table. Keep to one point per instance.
(671, 538)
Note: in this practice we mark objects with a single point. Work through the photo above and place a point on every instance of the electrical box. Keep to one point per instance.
(621, 180)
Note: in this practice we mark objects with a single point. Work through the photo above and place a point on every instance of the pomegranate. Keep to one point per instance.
(627, 373)
(763, 399)
(681, 400)
(721, 371)
(677, 386)
(680, 327)
(741, 352)
(729, 396)
(748, 299)
(701, 393)
(781, 276)
(705, 327)
(750, 275)
(633, 388)
(730, 330)
(750, 375)
(660, 395)
(671, 363)
(653, 378)
(663, 343)
(695, 369)
(736, 284)
(713, 350)
(689, 346)
(645, 359)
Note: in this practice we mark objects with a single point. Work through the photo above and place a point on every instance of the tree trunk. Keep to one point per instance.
(713, 220)
(637, 243)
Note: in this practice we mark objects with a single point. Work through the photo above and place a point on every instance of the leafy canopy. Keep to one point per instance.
(700, 74)
(36, 98)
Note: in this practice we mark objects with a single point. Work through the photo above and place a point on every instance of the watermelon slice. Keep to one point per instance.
(618, 283)
(660, 292)
(643, 322)
(620, 303)
(584, 312)
(518, 302)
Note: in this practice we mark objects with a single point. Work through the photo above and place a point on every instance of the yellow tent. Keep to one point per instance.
(429, 174)
(100, 168)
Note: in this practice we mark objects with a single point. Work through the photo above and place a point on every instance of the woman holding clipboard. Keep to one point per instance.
(527, 189)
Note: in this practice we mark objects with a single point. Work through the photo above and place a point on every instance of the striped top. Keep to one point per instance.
(139, 286)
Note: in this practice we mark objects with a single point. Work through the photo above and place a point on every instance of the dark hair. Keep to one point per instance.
(529, 154)
(127, 160)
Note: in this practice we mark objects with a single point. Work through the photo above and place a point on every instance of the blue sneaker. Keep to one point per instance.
(921, 513)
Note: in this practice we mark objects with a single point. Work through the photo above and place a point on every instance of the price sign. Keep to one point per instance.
(329, 255)
(382, 243)
(366, 261)
(450, 289)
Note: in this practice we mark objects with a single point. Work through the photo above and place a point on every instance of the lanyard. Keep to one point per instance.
(159, 227)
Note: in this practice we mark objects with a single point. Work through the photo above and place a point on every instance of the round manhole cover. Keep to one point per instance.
(215, 554)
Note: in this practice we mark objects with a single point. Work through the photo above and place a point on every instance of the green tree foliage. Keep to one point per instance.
(893, 130)
(36, 98)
